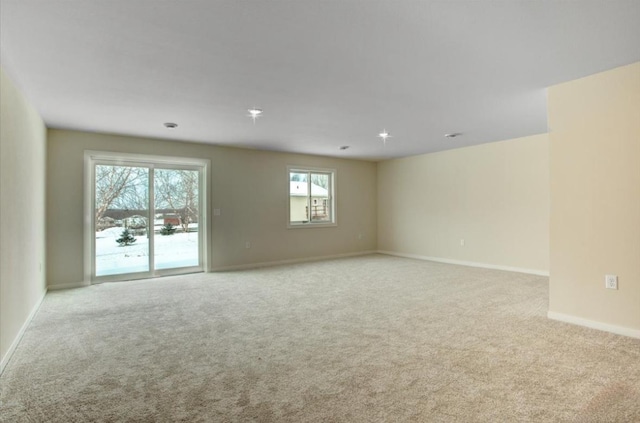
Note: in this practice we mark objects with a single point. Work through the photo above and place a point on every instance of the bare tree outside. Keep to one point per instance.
(321, 180)
(121, 187)
(177, 190)
(125, 188)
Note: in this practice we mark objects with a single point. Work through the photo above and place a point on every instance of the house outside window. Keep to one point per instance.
(311, 197)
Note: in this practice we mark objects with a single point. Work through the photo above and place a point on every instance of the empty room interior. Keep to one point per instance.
(336, 211)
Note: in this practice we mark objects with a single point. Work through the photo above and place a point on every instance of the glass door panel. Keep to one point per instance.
(121, 220)
(176, 218)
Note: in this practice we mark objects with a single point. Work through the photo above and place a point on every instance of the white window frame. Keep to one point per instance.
(333, 173)
(93, 158)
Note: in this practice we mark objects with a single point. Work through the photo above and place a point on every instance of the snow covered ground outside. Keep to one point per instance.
(171, 251)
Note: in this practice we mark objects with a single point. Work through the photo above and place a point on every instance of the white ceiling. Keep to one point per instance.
(326, 73)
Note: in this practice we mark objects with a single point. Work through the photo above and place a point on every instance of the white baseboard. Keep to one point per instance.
(68, 285)
(289, 261)
(16, 341)
(467, 263)
(618, 330)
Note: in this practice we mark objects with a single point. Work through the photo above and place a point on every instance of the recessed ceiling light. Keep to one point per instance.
(344, 147)
(255, 113)
(384, 135)
(453, 134)
(170, 125)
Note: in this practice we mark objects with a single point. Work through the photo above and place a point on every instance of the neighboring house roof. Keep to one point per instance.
(299, 189)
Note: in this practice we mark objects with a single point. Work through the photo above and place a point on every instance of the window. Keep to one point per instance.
(311, 197)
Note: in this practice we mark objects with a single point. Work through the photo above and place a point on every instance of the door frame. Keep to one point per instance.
(93, 158)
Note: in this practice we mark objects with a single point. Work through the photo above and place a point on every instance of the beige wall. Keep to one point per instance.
(250, 187)
(22, 213)
(595, 196)
(494, 196)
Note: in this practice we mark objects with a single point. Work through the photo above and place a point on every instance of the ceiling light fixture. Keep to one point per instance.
(453, 134)
(255, 113)
(384, 135)
(170, 125)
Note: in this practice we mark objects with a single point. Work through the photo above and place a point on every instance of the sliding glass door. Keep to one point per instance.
(147, 217)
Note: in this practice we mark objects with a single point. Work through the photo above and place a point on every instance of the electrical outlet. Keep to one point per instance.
(462, 242)
(216, 212)
(611, 281)
(247, 244)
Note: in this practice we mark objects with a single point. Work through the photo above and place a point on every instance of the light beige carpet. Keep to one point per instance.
(368, 339)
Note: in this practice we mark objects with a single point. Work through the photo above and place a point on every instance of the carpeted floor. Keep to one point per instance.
(367, 339)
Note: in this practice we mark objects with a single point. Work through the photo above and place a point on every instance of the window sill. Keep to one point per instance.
(311, 225)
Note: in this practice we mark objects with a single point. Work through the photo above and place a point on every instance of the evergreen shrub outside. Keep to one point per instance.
(126, 238)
